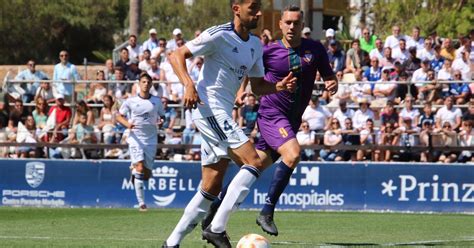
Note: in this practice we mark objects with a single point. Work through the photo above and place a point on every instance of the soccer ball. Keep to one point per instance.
(253, 240)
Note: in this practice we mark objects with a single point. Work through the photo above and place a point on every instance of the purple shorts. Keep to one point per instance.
(275, 130)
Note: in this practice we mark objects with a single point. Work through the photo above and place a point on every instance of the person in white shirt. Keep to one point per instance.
(133, 47)
(408, 112)
(427, 52)
(401, 53)
(421, 75)
(151, 43)
(362, 115)
(446, 72)
(32, 74)
(415, 40)
(377, 52)
(171, 44)
(382, 89)
(392, 41)
(316, 115)
(306, 137)
(144, 65)
(144, 111)
(463, 64)
(159, 52)
(448, 113)
(218, 83)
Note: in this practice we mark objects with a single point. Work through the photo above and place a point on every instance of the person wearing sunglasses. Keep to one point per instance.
(33, 75)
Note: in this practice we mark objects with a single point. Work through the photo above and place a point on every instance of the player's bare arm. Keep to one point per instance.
(121, 119)
(178, 62)
(331, 84)
(241, 93)
(262, 87)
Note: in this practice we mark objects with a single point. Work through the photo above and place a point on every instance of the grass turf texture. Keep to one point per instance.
(41, 227)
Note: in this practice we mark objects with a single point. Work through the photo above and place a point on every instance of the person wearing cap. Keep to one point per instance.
(151, 43)
(177, 35)
(33, 75)
(367, 41)
(393, 40)
(64, 70)
(401, 52)
(63, 119)
(132, 72)
(306, 33)
(362, 114)
(336, 57)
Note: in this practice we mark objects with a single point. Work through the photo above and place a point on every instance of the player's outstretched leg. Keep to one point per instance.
(193, 213)
(213, 209)
(279, 181)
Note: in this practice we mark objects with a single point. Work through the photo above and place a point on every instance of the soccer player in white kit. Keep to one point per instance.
(231, 53)
(145, 113)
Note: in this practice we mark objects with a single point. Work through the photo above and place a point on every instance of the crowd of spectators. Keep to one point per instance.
(393, 92)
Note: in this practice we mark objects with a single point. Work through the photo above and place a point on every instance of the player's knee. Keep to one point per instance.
(292, 158)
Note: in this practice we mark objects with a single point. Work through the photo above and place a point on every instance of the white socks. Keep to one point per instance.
(236, 193)
(193, 214)
(139, 187)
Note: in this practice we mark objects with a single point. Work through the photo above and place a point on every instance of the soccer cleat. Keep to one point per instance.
(267, 224)
(209, 216)
(219, 240)
(142, 208)
(165, 245)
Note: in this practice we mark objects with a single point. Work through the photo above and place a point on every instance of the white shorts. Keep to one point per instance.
(218, 133)
(145, 153)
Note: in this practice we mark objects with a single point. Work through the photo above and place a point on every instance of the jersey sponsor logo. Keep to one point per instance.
(34, 173)
(241, 71)
(235, 50)
(283, 132)
(308, 56)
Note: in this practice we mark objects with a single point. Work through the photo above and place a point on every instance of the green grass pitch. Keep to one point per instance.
(41, 227)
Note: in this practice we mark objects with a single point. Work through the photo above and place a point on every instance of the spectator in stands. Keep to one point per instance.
(463, 64)
(446, 72)
(389, 114)
(383, 90)
(387, 138)
(469, 114)
(266, 36)
(407, 132)
(83, 133)
(331, 35)
(171, 78)
(401, 53)
(133, 72)
(170, 116)
(421, 75)
(392, 41)
(64, 71)
(40, 113)
(446, 137)
(189, 127)
(412, 63)
(427, 115)
(427, 52)
(409, 112)
(426, 136)
(97, 90)
(109, 69)
(107, 120)
(144, 64)
(343, 93)
(195, 68)
(46, 92)
(460, 91)
(465, 47)
(306, 137)
(367, 41)
(387, 59)
(360, 90)
(354, 57)
(63, 118)
(466, 139)
(332, 137)
(317, 117)
(19, 112)
(124, 59)
(4, 115)
(349, 137)
(378, 51)
(438, 61)
(374, 72)
(415, 40)
(432, 90)
(133, 48)
(34, 75)
(447, 49)
(362, 115)
(435, 38)
(120, 90)
(83, 109)
(336, 57)
(248, 116)
(28, 151)
(151, 43)
(159, 52)
(177, 35)
(448, 113)
(343, 113)
(405, 88)
(367, 137)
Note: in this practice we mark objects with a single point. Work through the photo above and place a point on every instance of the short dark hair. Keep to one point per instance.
(124, 48)
(292, 8)
(132, 35)
(145, 74)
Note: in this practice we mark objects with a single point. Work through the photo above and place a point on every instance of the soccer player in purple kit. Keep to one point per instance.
(279, 115)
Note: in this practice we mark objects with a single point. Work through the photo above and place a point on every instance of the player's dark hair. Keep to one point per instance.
(292, 8)
(145, 74)
(124, 48)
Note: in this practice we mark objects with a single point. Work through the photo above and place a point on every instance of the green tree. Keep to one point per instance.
(449, 18)
(40, 29)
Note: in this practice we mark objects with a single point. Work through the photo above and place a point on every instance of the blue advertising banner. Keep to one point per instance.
(313, 186)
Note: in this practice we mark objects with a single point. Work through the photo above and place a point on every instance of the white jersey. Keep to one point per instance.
(144, 114)
(228, 59)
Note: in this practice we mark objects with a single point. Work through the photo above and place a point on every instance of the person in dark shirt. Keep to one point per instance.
(427, 116)
(248, 115)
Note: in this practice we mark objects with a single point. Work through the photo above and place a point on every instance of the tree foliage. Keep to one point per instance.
(449, 18)
(40, 29)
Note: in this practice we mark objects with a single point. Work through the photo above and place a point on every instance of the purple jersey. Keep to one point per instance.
(279, 115)
(304, 61)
